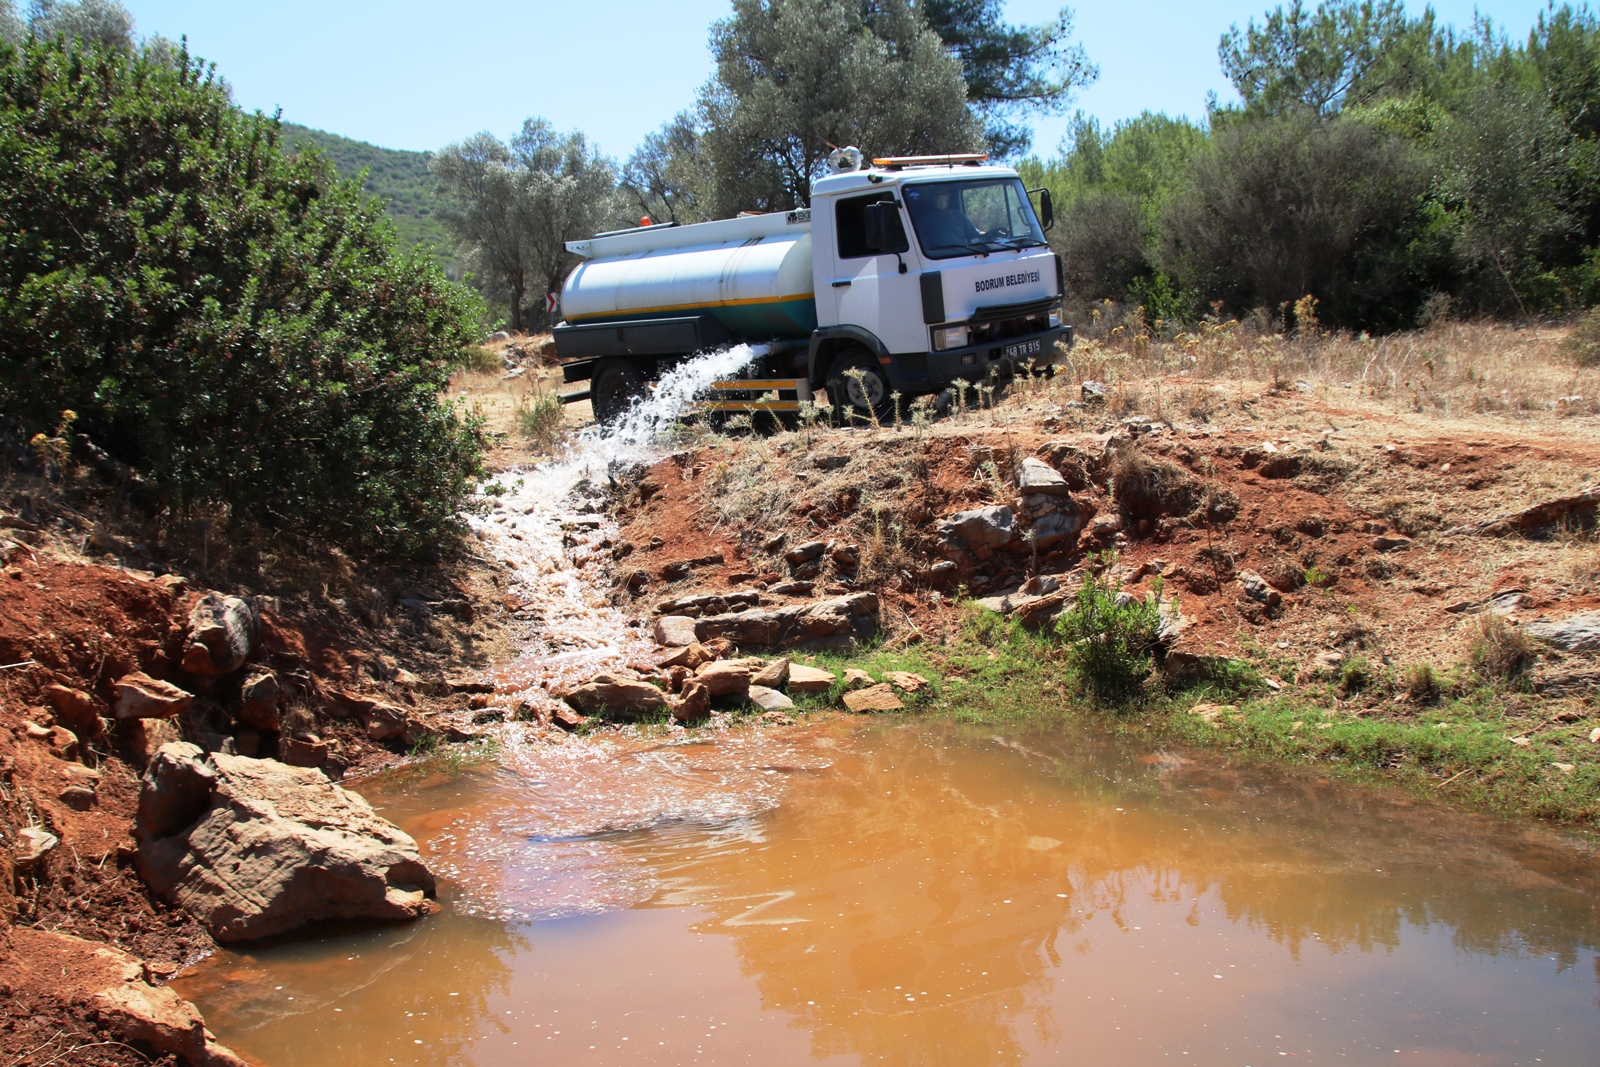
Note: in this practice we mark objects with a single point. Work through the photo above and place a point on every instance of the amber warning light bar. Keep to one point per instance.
(971, 159)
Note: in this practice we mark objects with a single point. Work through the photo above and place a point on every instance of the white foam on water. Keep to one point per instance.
(548, 527)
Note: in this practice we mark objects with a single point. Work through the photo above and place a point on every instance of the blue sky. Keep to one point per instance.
(414, 74)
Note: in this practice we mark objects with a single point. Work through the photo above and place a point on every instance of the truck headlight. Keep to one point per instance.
(1055, 318)
(948, 337)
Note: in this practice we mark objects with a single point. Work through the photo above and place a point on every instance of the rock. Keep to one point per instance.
(1211, 714)
(1093, 393)
(77, 796)
(74, 707)
(274, 848)
(1330, 660)
(690, 656)
(111, 984)
(792, 588)
(566, 718)
(805, 553)
(673, 631)
(222, 630)
(1594, 735)
(258, 700)
(1054, 528)
(708, 604)
(1037, 612)
(769, 699)
(1038, 477)
(725, 677)
(827, 623)
(803, 679)
(383, 721)
(773, 675)
(991, 527)
(1576, 633)
(139, 696)
(176, 791)
(846, 557)
(1391, 544)
(854, 679)
(303, 753)
(831, 463)
(877, 698)
(33, 844)
(694, 704)
(628, 697)
(1256, 588)
(905, 681)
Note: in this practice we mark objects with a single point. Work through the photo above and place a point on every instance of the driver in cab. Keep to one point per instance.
(945, 227)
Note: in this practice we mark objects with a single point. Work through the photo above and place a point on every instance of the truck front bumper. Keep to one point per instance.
(1000, 359)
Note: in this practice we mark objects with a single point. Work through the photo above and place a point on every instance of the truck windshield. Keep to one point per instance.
(972, 217)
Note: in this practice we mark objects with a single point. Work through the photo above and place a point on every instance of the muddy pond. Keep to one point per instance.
(922, 892)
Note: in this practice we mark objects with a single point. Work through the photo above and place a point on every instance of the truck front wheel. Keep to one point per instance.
(858, 388)
(613, 390)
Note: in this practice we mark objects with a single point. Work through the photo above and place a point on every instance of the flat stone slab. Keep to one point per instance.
(877, 698)
(769, 699)
(803, 679)
(1576, 633)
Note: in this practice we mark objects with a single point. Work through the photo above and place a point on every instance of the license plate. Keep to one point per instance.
(1023, 348)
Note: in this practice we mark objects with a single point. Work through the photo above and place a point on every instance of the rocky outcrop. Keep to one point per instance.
(222, 630)
(1577, 509)
(833, 624)
(112, 985)
(254, 848)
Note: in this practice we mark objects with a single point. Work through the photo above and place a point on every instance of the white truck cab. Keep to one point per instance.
(921, 272)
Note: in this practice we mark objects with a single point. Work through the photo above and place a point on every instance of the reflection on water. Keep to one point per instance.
(931, 894)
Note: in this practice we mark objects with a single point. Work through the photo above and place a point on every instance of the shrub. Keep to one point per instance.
(1422, 683)
(1500, 652)
(1110, 645)
(232, 322)
(541, 420)
(1282, 207)
(1582, 345)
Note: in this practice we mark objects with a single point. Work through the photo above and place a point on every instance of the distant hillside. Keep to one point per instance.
(401, 178)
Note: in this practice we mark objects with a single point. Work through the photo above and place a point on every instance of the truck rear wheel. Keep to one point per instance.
(858, 387)
(613, 390)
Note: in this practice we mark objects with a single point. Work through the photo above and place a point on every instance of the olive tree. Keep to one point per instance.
(512, 207)
(794, 78)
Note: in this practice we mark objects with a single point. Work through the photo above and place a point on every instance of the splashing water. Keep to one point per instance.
(549, 529)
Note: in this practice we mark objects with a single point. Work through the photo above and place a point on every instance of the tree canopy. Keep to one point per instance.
(514, 206)
(233, 323)
(1011, 71)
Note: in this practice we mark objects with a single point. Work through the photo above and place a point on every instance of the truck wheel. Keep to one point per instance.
(613, 389)
(858, 387)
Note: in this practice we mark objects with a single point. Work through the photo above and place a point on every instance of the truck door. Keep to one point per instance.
(868, 289)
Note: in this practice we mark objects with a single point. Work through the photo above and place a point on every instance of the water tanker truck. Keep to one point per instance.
(904, 276)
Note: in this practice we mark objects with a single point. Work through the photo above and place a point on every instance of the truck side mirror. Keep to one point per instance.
(884, 233)
(1047, 209)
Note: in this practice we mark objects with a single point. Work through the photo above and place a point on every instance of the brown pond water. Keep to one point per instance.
(928, 893)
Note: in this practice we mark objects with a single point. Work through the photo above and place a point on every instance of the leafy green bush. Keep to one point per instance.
(1110, 646)
(233, 322)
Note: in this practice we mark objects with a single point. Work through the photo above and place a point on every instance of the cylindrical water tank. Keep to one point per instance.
(753, 274)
